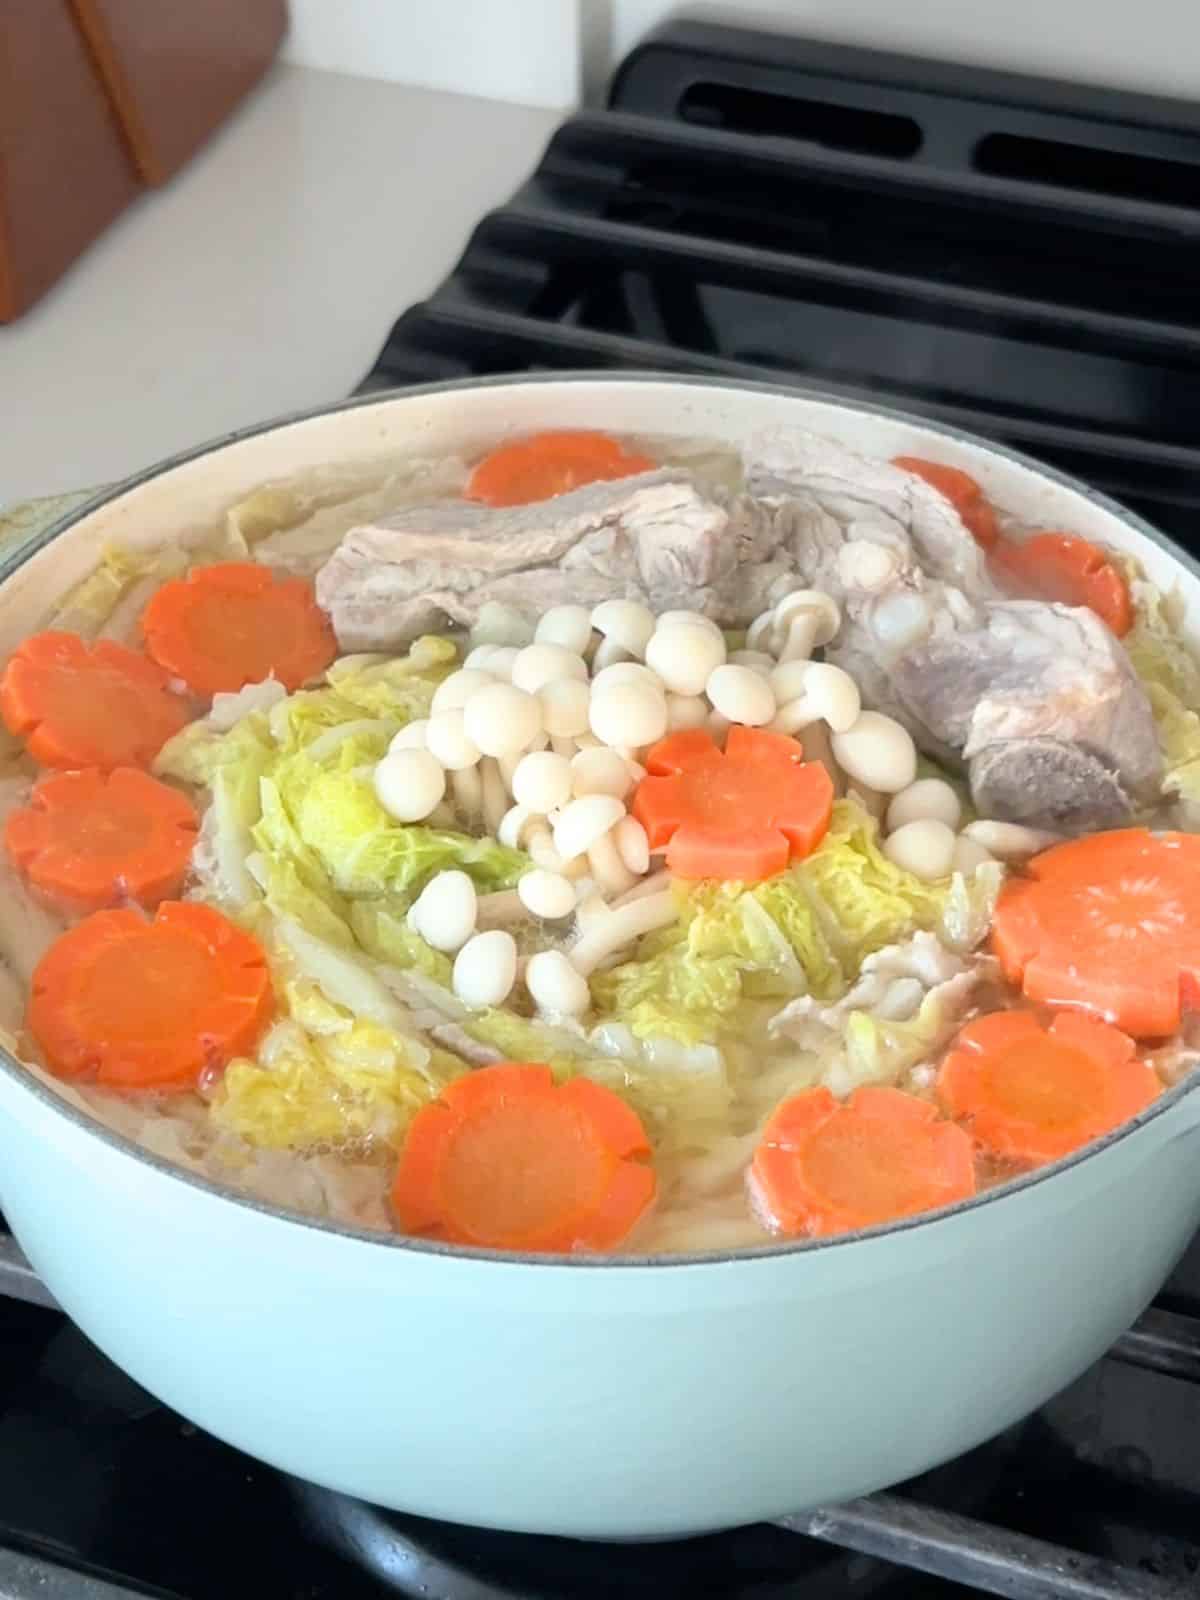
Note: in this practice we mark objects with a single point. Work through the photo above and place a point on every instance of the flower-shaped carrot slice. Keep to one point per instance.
(225, 626)
(547, 464)
(1063, 567)
(738, 813)
(823, 1168)
(91, 839)
(137, 1004)
(963, 493)
(1032, 1094)
(103, 707)
(508, 1160)
(1109, 924)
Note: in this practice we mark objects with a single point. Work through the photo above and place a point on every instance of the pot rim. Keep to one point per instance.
(16, 1070)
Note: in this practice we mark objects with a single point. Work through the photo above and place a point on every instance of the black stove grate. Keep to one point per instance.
(1012, 257)
(1015, 257)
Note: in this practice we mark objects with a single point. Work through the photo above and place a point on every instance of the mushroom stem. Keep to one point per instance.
(622, 928)
(656, 882)
(817, 747)
(467, 788)
(497, 910)
(801, 637)
(609, 871)
(495, 795)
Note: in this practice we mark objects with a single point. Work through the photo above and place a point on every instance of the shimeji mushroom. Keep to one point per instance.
(501, 624)
(925, 848)
(495, 795)
(741, 695)
(757, 660)
(498, 909)
(969, 854)
(444, 913)
(626, 672)
(447, 740)
(494, 659)
(804, 620)
(503, 719)
(454, 692)
(564, 704)
(814, 691)
(927, 797)
(466, 785)
(685, 654)
(412, 736)
(546, 894)
(409, 784)
(600, 771)
(555, 986)
(625, 624)
(1009, 841)
(540, 664)
(629, 714)
(632, 845)
(542, 781)
(569, 626)
(686, 711)
(620, 928)
(485, 969)
(584, 828)
(878, 752)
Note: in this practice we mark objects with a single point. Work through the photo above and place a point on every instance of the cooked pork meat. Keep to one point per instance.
(1039, 700)
(652, 537)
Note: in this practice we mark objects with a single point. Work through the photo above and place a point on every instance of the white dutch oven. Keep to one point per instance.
(598, 1398)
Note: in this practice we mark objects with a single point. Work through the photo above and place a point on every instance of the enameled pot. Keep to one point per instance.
(589, 1397)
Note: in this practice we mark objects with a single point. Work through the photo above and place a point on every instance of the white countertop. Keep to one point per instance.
(263, 279)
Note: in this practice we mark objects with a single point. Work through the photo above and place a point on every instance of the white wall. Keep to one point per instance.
(522, 50)
(537, 51)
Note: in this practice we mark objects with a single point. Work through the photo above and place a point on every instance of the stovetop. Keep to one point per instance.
(1012, 256)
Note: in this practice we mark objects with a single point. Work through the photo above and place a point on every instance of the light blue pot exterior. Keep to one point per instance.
(591, 1398)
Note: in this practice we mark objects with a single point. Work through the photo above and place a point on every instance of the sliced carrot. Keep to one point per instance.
(139, 1004)
(963, 493)
(93, 839)
(232, 624)
(75, 706)
(548, 464)
(1063, 567)
(510, 1160)
(1110, 925)
(1032, 1094)
(741, 812)
(823, 1168)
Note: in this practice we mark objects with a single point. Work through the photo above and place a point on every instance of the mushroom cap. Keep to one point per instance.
(454, 692)
(810, 602)
(568, 625)
(540, 664)
(504, 718)
(409, 784)
(627, 623)
(583, 822)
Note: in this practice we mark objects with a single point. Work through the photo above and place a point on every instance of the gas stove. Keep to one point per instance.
(1011, 256)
